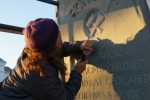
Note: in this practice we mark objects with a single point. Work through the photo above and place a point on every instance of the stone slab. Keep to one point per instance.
(119, 68)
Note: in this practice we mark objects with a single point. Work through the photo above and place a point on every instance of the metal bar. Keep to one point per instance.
(11, 29)
(50, 2)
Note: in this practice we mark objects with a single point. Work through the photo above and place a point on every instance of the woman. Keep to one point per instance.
(36, 75)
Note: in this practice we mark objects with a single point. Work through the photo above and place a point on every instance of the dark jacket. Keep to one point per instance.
(20, 85)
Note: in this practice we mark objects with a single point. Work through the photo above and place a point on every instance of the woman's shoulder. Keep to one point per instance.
(51, 68)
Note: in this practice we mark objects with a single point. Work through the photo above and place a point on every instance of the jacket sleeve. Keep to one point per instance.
(69, 48)
(52, 89)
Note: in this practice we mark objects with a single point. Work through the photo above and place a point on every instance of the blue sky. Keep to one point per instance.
(19, 13)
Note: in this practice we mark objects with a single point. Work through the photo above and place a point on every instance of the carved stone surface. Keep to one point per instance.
(119, 68)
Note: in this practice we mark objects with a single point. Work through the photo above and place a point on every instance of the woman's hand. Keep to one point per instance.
(86, 46)
(80, 66)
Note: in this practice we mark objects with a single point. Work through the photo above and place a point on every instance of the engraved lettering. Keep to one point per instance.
(108, 81)
(84, 3)
(91, 95)
(84, 83)
(109, 94)
(78, 7)
(143, 78)
(92, 82)
(128, 94)
(72, 12)
(130, 51)
(112, 54)
(136, 64)
(92, 70)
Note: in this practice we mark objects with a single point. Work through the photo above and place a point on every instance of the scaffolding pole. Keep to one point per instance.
(50, 2)
(11, 29)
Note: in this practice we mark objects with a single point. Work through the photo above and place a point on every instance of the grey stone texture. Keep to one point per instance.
(119, 68)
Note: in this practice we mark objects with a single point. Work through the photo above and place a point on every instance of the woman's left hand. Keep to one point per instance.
(86, 46)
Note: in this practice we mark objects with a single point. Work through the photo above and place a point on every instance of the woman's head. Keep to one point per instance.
(43, 42)
(41, 34)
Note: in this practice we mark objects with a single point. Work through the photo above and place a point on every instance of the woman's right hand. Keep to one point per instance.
(80, 66)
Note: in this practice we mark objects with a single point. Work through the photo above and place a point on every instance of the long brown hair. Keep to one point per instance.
(36, 61)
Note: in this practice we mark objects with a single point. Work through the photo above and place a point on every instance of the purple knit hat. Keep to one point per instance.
(41, 34)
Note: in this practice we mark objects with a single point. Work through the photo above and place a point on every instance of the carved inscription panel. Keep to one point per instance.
(117, 74)
(119, 67)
